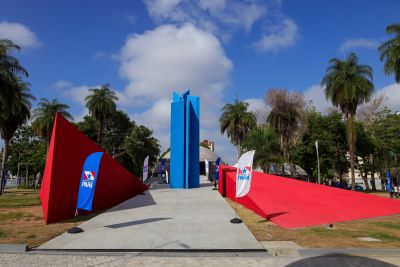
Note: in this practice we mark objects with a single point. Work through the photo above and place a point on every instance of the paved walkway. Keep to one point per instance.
(163, 219)
(29, 259)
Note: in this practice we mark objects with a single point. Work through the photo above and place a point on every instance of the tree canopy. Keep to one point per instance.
(236, 121)
(348, 84)
(45, 114)
(101, 103)
(390, 52)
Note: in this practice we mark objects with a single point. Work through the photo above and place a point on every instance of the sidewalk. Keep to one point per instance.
(163, 219)
(333, 260)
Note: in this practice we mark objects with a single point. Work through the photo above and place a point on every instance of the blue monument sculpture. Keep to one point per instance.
(185, 141)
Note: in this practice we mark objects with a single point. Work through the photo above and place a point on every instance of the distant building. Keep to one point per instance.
(209, 144)
(205, 153)
(358, 176)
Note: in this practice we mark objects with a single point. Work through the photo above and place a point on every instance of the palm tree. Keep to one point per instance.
(288, 118)
(10, 121)
(236, 122)
(101, 103)
(10, 69)
(45, 115)
(390, 52)
(266, 143)
(348, 85)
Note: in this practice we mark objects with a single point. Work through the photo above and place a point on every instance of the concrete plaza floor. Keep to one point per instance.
(163, 219)
(138, 259)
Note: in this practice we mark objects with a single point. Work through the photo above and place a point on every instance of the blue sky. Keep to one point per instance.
(218, 48)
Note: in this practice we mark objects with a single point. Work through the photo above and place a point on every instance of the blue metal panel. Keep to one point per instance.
(193, 143)
(177, 159)
(188, 140)
(185, 141)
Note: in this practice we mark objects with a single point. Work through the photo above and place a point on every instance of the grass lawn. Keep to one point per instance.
(21, 219)
(345, 235)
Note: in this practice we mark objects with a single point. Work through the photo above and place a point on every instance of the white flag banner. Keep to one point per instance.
(244, 173)
(145, 168)
(207, 166)
(316, 145)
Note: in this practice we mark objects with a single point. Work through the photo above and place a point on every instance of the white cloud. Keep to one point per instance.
(18, 33)
(157, 118)
(282, 36)
(61, 84)
(169, 58)
(162, 9)
(392, 92)
(255, 104)
(78, 93)
(207, 14)
(224, 17)
(99, 55)
(174, 58)
(259, 108)
(316, 95)
(234, 13)
(358, 43)
(131, 18)
(79, 117)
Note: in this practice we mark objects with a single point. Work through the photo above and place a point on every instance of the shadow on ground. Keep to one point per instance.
(342, 260)
(126, 224)
(137, 201)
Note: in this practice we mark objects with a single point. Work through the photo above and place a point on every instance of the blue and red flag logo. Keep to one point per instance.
(87, 185)
(89, 175)
(244, 173)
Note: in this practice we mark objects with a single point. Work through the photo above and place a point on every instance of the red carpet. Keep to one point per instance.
(291, 203)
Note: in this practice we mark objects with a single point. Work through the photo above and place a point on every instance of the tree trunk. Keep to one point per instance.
(365, 179)
(3, 165)
(26, 175)
(373, 180)
(49, 131)
(239, 150)
(365, 173)
(350, 140)
(48, 137)
(99, 132)
(293, 170)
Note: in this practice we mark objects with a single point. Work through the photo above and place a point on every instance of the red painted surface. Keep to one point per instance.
(291, 203)
(66, 156)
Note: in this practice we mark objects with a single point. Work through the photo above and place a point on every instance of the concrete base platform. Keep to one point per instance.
(163, 220)
(13, 248)
(281, 248)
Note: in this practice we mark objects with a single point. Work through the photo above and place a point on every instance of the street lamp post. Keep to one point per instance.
(319, 174)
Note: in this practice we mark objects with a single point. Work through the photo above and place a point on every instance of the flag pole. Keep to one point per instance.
(319, 174)
(242, 183)
(236, 219)
(75, 229)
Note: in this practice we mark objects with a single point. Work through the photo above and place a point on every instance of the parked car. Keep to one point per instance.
(358, 187)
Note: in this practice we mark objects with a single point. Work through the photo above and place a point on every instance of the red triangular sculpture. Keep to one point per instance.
(291, 203)
(67, 153)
